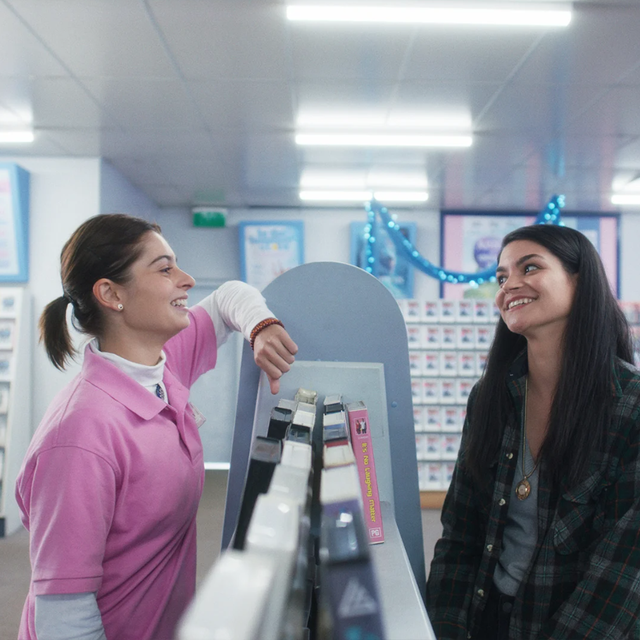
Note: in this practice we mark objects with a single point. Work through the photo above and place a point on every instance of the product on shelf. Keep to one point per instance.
(349, 593)
(265, 455)
(279, 422)
(362, 444)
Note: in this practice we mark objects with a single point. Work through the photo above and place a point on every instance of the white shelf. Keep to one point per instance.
(15, 398)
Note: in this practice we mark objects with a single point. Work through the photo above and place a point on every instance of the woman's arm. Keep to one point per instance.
(69, 615)
(236, 306)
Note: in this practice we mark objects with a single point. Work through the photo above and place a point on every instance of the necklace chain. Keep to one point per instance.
(523, 488)
(526, 476)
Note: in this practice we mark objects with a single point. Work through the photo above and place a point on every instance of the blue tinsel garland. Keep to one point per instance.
(549, 215)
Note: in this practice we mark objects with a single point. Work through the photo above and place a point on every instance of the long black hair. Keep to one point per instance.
(596, 332)
(104, 246)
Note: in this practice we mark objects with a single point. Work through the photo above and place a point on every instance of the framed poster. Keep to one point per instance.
(268, 249)
(14, 223)
(393, 270)
(471, 241)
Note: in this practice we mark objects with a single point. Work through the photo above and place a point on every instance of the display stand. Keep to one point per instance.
(340, 314)
(15, 399)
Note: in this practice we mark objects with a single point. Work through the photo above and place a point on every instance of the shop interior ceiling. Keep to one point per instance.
(198, 101)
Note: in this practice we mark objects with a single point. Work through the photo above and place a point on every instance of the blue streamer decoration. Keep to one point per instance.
(549, 215)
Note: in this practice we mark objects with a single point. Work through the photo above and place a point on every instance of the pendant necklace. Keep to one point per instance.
(523, 488)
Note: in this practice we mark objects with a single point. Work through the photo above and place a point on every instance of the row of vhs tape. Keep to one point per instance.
(441, 390)
(463, 336)
(279, 580)
(435, 476)
(447, 363)
(437, 446)
(436, 311)
(436, 418)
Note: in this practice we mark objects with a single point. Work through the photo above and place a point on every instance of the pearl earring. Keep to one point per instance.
(120, 307)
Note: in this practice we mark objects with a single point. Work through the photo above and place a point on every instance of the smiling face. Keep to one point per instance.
(536, 292)
(155, 298)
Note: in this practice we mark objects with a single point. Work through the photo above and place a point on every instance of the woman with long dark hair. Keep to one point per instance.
(541, 523)
(110, 485)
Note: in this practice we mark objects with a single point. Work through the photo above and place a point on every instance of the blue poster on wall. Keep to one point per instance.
(268, 249)
(392, 269)
(14, 223)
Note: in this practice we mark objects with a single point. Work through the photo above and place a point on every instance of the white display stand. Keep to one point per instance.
(15, 399)
(339, 313)
(352, 340)
(403, 612)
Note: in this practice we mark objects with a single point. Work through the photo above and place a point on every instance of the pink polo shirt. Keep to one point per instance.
(110, 487)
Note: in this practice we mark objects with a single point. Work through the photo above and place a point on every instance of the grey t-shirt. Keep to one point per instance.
(520, 533)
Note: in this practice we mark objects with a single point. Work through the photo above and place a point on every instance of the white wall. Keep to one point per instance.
(64, 193)
(118, 195)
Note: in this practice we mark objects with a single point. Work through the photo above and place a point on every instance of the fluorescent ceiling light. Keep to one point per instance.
(401, 196)
(343, 196)
(363, 196)
(432, 15)
(11, 137)
(412, 121)
(314, 180)
(381, 140)
(625, 198)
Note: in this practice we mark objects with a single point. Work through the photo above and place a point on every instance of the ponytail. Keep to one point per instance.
(104, 246)
(54, 332)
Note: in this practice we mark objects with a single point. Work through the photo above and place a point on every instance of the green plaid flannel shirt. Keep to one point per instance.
(584, 578)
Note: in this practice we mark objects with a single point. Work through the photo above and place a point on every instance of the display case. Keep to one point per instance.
(448, 345)
(15, 399)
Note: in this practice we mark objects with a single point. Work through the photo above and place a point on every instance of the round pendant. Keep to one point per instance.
(523, 489)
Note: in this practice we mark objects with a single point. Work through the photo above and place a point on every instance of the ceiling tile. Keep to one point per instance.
(348, 52)
(224, 39)
(150, 103)
(466, 55)
(21, 53)
(98, 37)
(244, 104)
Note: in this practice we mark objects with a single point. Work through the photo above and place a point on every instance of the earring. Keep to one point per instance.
(120, 307)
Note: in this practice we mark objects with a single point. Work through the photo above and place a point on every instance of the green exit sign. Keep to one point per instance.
(209, 217)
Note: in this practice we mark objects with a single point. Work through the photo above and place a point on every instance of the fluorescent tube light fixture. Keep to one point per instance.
(16, 136)
(381, 140)
(626, 198)
(433, 15)
(363, 196)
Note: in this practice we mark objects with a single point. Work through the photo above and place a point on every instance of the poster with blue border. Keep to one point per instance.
(14, 223)
(392, 269)
(268, 249)
(471, 241)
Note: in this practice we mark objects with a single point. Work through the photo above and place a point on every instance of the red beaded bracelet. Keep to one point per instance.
(260, 327)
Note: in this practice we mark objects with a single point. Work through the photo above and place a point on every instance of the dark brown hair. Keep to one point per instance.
(596, 333)
(104, 246)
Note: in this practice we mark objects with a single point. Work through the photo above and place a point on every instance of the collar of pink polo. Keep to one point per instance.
(107, 376)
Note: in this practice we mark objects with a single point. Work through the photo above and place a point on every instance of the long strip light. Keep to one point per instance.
(381, 140)
(15, 136)
(364, 195)
(432, 15)
(626, 198)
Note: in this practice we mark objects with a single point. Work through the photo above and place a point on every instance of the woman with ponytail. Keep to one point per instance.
(541, 523)
(110, 485)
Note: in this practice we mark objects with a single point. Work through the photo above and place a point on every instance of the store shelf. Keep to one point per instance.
(15, 398)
